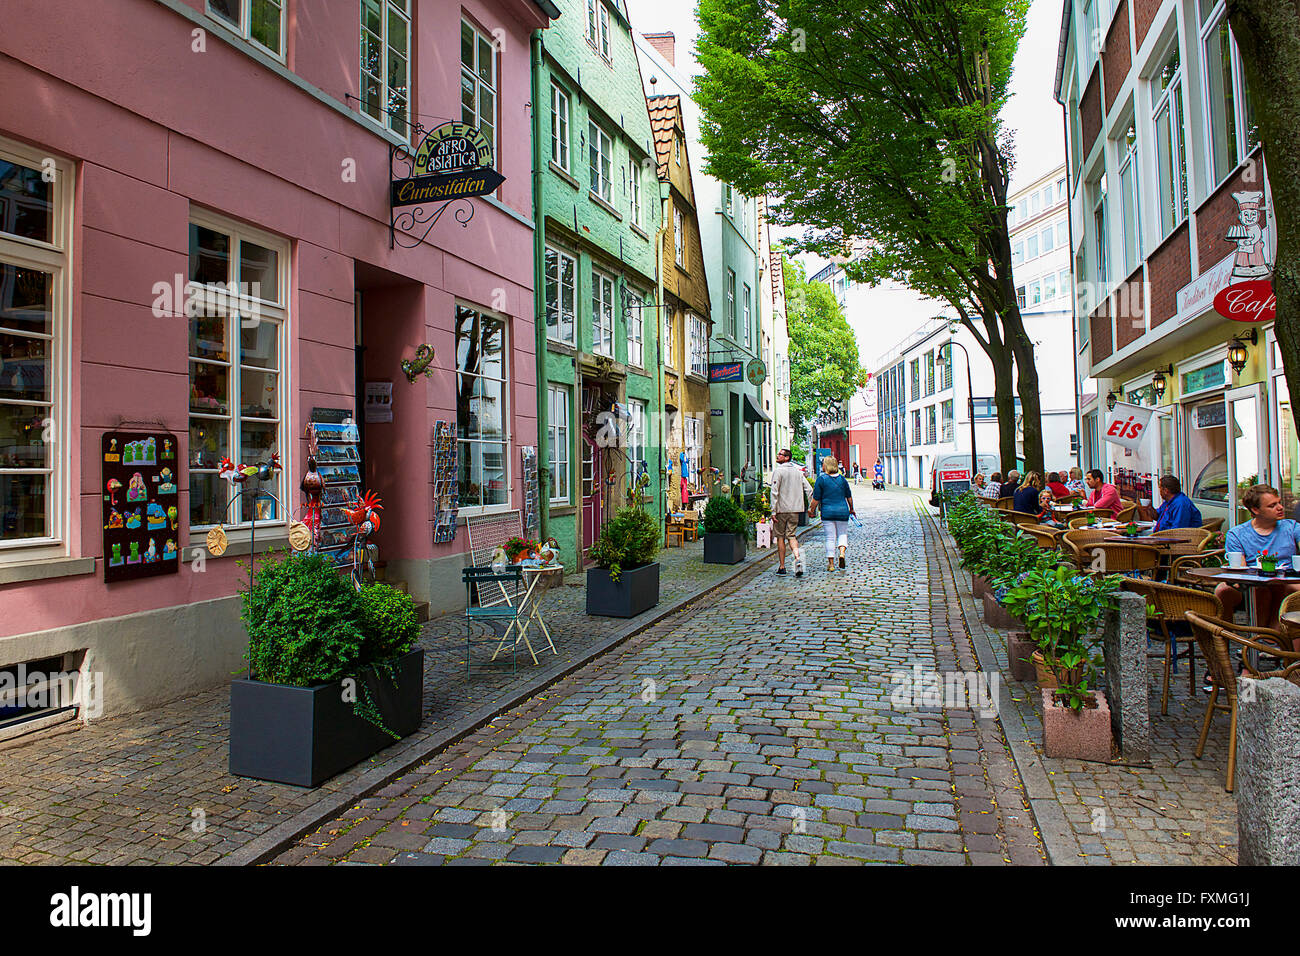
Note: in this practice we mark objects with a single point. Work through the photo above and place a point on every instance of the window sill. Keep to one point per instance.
(599, 201)
(240, 547)
(560, 348)
(560, 511)
(565, 175)
(640, 232)
(44, 569)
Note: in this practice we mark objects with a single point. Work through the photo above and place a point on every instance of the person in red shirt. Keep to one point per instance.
(1103, 496)
(1056, 487)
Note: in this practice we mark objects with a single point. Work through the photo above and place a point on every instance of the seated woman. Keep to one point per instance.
(1267, 530)
(1075, 485)
(1057, 487)
(1026, 497)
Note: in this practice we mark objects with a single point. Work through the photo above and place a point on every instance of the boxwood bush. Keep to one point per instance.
(723, 516)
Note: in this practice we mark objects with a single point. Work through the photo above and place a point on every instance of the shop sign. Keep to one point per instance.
(716, 411)
(726, 372)
(757, 372)
(452, 161)
(1127, 425)
(1250, 297)
(962, 475)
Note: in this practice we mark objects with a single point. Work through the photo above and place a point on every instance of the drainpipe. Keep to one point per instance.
(539, 284)
(660, 234)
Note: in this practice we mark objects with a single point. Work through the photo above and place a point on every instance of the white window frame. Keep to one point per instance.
(604, 47)
(1100, 248)
(634, 191)
(637, 440)
(747, 300)
(1165, 104)
(492, 84)
(699, 347)
(731, 302)
(399, 126)
(670, 321)
(1130, 198)
(245, 27)
(561, 117)
(679, 239)
(602, 313)
(277, 311)
(600, 161)
(558, 427)
(1240, 116)
(56, 258)
(635, 329)
(507, 437)
(560, 258)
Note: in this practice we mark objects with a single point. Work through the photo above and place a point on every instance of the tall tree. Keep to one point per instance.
(824, 366)
(880, 119)
(1268, 35)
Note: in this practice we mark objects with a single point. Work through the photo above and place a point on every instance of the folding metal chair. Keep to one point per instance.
(500, 605)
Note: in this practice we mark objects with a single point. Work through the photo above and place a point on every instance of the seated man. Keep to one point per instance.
(1103, 496)
(993, 490)
(1177, 511)
(1268, 530)
(1011, 484)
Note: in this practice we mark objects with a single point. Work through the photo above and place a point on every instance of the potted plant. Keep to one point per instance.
(517, 549)
(625, 581)
(724, 531)
(1062, 609)
(334, 674)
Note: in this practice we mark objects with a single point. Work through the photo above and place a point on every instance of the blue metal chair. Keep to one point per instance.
(481, 604)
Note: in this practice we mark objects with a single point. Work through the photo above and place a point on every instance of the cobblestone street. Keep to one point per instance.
(755, 728)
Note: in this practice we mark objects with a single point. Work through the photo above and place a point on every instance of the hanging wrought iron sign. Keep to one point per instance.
(450, 164)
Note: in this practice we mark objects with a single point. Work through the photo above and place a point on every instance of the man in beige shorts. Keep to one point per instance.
(789, 490)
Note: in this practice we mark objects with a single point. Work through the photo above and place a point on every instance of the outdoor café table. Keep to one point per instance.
(540, 578)
(1150, 540)
(1248, 578)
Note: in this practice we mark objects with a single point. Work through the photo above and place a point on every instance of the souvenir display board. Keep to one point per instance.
(338, 462)
(446, 495)
(142, 527)
(532, 516)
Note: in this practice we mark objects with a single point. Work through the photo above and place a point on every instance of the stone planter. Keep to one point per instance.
(305, 735)
(724, 548)
(1020, 651)
(1077, 734)
(995, 616)
(979, 585)
(636, 590)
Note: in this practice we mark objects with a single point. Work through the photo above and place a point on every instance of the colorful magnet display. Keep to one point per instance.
(141, 522)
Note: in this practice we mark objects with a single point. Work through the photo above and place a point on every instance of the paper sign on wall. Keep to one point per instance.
(1127, 425)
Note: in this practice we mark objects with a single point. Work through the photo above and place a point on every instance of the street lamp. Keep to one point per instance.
(953, 328)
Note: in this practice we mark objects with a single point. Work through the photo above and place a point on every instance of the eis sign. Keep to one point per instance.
(1127, 426)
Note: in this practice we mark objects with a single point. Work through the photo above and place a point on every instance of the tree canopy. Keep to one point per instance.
(824, 366)
(879, 120)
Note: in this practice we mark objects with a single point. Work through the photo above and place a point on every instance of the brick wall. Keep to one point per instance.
(1170, 268)
(1100, 336)
(1090, 110)
(1130, 310)
(1116, 58)
(1144, 14)
(1218, 213)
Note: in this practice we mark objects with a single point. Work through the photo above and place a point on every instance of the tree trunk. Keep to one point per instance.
(1022, 348)
(1268, 35)
(1004, 400)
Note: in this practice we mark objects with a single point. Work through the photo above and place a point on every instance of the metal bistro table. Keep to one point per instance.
(540, 577)
(1248, 578)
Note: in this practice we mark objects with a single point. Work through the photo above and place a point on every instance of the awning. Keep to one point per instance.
(753, 413)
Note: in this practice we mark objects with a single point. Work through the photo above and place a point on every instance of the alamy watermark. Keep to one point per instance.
(189, 299)
(38, 690)
(959, 690)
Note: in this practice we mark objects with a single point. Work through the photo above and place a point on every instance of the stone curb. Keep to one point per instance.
(1059, 841)
(271, 843)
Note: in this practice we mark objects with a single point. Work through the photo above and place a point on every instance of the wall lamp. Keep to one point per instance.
(1237, 350)
(1111, 399)
(1159, 381)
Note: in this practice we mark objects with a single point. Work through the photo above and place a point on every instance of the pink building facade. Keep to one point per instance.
(145, 143)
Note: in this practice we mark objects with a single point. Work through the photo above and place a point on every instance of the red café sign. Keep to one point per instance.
(1251, 301)
(963, 475)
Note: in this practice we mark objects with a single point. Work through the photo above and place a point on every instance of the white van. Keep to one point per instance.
(952, 473)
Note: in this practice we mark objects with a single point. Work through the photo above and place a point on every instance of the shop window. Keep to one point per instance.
(1207, 451)
(385, 56)
(236, 365)
(482, 380)
(35, 203)
(261, 21)
(561, 295)
(478, 81)
(557, 439)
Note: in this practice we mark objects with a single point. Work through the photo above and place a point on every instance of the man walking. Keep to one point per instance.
(789, 488)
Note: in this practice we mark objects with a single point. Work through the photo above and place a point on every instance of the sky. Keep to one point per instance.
(1031, 115)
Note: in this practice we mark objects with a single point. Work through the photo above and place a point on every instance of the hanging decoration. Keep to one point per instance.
(450, 164)
(420, 364)
(141, 516)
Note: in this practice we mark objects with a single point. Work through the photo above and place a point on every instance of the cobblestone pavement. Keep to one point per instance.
(1173, 811)
(756, 728)
(154, 787)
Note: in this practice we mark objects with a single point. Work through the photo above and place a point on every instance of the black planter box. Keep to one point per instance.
(636, 590)
(305, 735)
(724, 548)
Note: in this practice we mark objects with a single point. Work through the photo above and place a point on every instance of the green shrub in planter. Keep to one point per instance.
(629, 540)
(723, 516)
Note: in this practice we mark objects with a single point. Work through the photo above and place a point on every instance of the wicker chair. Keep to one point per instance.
(1075, 539)
(1214, 524)
(1020, 518)
(1185, 541)
(1187, 562)
(1118, 558)
(1290, 603)
(1171, 605)
(1049, 539)
(1217, 638)
(1126, 513)
(1079, 519)
(1004, 504)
